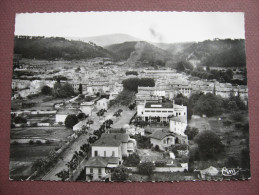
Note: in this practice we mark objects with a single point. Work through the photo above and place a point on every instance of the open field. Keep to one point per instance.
(23, 155)
(231, 136)
(51, 133)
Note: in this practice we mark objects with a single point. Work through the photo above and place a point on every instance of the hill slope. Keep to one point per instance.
(106, 40)
(57, 48)
(140, 52)
(221, 53)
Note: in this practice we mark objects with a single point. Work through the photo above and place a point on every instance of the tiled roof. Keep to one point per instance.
(107, 142)
(112, 139)
(161, 134)
(68, 111)
(97, 161)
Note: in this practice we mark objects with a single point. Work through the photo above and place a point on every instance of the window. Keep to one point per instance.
(104, 154)
(91, 170)
(164, 111)
(113, 153)
(99, 171)
(95, 153)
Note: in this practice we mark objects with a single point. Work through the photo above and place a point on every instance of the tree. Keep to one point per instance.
(19, 119)
(132, 160)
(237, 117)
(191, 132)
(81, 116)
(209, 104)
(80, 88)
(120, 173)
(46, 90)
(209, 144)
(146, 168)
(70, 121)
(64, 174)
(66, 90)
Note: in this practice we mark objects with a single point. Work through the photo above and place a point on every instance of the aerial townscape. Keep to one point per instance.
(93, 110)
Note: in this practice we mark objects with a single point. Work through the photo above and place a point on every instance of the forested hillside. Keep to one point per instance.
(220, 53)
(57, 48)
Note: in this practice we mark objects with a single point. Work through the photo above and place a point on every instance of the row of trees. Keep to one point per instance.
(219, 75)
(124, 98)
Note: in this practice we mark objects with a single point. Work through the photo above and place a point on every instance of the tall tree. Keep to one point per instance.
(70, 121)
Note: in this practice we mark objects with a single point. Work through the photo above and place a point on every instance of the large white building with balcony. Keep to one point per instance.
(160, 111)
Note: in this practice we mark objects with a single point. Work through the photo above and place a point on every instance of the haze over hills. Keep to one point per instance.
(105, 40)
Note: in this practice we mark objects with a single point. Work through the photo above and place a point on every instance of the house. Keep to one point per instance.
(99, 168)
(62, 114)
(87, 107)
(165, 138)
(114, 145)
(102, 104)
(178, 124)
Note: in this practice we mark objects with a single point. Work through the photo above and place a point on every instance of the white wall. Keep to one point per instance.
(102, 149)
(60, 118)
(96, 172)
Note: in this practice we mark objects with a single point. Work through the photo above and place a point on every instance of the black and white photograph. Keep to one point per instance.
(129, 97)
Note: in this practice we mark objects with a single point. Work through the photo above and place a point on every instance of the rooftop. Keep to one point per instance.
(161, 134)
(112, 139)
(159, 105)
(182, 119)
(68, 111)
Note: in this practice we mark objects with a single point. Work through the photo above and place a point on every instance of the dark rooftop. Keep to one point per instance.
(161, 134)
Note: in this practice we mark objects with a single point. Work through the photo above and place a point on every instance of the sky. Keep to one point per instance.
(166, 27)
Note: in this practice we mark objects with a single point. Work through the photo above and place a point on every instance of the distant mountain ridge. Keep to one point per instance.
(106, 40)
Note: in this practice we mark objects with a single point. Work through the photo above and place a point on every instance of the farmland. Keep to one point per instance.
(22, 155)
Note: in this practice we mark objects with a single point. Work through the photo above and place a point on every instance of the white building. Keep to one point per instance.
(178, 124)
(102, 104)
(160, 111)
(99, 168)
(87, 107)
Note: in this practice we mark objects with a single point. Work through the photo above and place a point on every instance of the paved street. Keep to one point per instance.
(66, 157)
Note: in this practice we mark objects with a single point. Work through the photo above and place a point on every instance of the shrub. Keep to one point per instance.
(157, 148)
(237, 117)
(31, 142)
(238, 125)
(146, 168)
(38, 142)
(227, 123)
(160, 163)
(132, 160)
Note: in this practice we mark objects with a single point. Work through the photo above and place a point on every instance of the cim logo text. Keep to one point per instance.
(230, 171)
